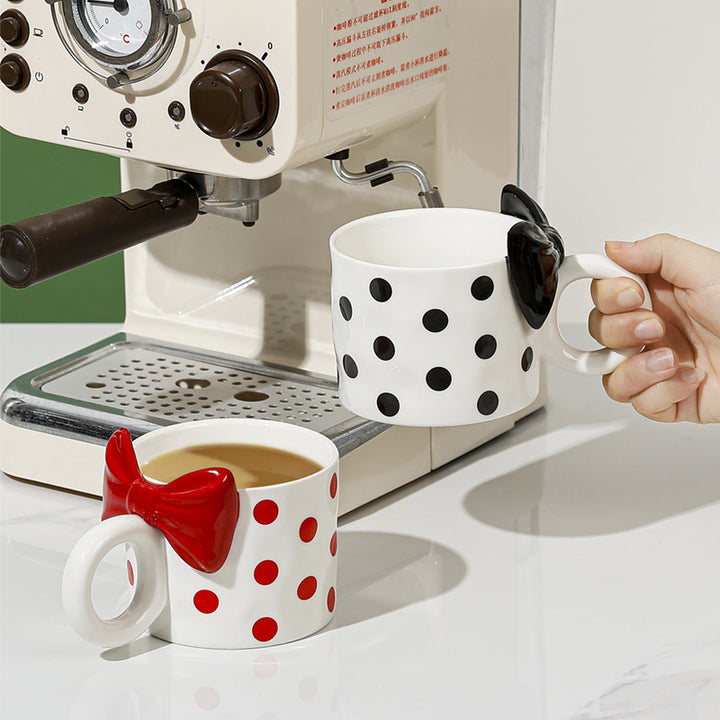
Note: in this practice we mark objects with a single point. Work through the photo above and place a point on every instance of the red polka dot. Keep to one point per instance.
(206, 601)
(131, 573)
(331, 599)
(265, 512)
(266, 572)
(264, 629)
(308, 528)
(333, 544)
(333, 485)
(306, 589)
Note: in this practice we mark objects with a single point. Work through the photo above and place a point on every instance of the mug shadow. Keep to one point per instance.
(601, 487)
(382, 572)
(143, 645)
(378, 573)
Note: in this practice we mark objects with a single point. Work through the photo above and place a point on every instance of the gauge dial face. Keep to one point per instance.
(119, 34)
(117, 27)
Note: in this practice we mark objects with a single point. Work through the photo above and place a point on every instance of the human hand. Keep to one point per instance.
(677, 376)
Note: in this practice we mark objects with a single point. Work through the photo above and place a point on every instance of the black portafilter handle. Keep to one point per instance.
(46, 245)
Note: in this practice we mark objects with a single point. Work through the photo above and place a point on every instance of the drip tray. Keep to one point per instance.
(134, 382)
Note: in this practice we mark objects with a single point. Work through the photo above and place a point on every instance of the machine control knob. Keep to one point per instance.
(14, 28)
(14, 72)
(234, 97)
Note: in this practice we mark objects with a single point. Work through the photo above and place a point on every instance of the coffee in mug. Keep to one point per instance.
(250, 465)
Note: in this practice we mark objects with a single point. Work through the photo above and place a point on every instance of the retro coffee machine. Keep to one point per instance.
(247, 132)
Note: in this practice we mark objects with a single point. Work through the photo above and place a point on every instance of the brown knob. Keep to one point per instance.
(14, 28)
(234, 97)
(14, 72)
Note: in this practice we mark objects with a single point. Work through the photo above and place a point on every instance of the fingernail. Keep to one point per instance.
(659, 360)
(691, 375)
(649, 330)
(629, 298)
(618, 244)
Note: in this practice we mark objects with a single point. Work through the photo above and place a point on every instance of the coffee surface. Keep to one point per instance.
(251, 465)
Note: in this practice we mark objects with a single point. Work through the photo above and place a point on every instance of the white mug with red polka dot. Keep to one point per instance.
(426, 325)
(278, 581)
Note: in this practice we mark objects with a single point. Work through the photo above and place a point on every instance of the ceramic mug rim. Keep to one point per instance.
(347, 242)
(326, 456)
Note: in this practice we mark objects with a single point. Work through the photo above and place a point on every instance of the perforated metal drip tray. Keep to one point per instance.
(133, 382)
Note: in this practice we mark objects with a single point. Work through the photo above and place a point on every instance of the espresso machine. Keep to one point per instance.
(247, 133)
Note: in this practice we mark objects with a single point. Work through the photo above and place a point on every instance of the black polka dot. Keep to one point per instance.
(388, 404)
(346, 309)
(435, 320)
(527, 359)
(384, 348)
(439, 378)
(485, 347)
(350, 366)
(380, 289)
(482, 288)
(488, 403)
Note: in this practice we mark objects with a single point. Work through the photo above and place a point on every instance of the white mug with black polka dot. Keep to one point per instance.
(426, 326)
(278, 579)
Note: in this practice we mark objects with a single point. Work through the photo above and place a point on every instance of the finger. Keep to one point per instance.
(680, 262)
(616, 295)
(660, 401)
(640, 372)
(626, 330)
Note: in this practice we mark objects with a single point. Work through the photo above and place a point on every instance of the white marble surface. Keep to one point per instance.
(569, 570)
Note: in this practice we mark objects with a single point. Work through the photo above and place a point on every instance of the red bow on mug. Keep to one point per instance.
(197, 513)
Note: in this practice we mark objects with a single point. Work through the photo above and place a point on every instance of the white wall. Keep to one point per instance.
(633, 143)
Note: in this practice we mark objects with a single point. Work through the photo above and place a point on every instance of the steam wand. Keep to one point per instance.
(382, 171)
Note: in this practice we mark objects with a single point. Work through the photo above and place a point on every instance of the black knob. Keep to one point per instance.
(234, 97)
(14, 72)
(16, 258)
(14, 28)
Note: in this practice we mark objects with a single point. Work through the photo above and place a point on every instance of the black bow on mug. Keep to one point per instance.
(535, 253)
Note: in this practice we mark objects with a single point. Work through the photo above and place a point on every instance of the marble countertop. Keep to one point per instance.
(568, 570)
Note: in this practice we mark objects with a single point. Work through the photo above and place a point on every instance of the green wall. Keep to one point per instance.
(37, 177)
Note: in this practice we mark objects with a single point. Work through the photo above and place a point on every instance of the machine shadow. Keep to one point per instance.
(383, 572)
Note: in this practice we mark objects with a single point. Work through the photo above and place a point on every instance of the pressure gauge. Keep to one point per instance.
(124, 36)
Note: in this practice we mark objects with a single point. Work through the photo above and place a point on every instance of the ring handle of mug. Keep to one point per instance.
(149, 598)
(555, 347)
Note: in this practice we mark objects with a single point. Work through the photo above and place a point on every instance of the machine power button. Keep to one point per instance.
(14, 72)
(234, 97)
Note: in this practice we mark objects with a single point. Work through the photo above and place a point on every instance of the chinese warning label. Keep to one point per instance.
(380, 47)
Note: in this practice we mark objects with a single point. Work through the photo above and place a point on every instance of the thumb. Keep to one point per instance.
(683, 263)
